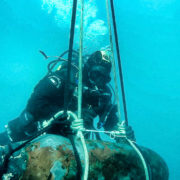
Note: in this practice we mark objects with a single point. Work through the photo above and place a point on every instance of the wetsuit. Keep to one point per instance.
(48, 98)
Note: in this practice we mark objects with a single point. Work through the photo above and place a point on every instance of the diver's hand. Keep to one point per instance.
(125, 131)
(130, 133)
(62, 123)
(91, 93)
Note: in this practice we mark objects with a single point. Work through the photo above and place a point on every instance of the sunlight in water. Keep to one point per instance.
(93, 26)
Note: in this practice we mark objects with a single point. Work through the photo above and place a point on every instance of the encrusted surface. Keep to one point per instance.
(42, 160)
(107, 161)
(114, 162)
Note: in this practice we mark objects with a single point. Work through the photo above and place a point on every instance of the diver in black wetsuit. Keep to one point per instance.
(48, 98)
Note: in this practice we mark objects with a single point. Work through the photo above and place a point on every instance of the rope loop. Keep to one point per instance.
(122, 127)
(77, 124)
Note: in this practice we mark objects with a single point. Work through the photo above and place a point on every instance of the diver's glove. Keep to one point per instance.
(125, 131)
(22, 128)
(91, 93)
(59, 124)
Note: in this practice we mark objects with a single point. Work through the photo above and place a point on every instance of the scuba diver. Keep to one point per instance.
(48, 98)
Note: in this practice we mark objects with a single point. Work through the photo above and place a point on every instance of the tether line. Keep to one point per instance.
(113, 62)
(119, 62)
(80, 62)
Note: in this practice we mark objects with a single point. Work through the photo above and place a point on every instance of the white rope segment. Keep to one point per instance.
(121, 125)
(78, 123)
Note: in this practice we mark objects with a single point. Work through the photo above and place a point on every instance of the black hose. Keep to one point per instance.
(52, 64)
(65, 52)
(77, 157)
(66, 94)
(119, 63)
(4, 169)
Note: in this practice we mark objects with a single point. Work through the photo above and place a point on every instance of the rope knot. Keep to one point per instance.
(77, 124)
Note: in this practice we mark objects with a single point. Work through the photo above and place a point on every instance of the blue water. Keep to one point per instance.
(149, 38)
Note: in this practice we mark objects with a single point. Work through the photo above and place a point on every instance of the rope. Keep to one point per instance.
(113, 62)
(79, 122)
(121, 125)
(123, 93)
(113, 134)
(86, 155)
(73, 19)
(77, 125)
(119, 62)
(141, 157)
(80, 63)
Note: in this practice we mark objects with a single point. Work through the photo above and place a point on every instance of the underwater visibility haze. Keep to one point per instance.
(149, 39)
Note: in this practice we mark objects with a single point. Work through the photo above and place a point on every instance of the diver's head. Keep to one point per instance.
(98, 68)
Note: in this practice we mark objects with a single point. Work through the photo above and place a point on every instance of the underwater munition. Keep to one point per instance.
(52, 157)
